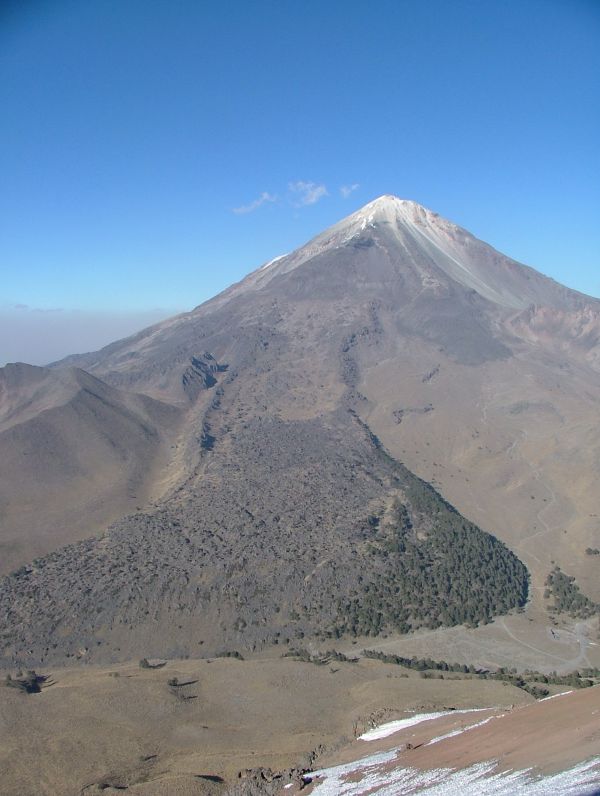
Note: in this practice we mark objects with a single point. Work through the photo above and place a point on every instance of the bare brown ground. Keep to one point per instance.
(90, 728)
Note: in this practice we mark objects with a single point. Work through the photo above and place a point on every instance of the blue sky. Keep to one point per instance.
(131, 132)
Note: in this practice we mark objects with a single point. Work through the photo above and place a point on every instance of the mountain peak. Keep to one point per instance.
(393, 209)
(386, 209)
(390, 200)
(422, 248)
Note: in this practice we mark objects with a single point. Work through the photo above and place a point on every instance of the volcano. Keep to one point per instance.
(308, 446)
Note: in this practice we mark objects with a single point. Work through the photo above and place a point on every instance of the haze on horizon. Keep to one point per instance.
(150, 158)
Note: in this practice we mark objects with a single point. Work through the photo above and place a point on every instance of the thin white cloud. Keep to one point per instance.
(264, 198)
(27, 308)
(346, 190)
(307, 193)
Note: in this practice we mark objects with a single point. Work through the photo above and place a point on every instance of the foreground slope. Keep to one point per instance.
(475, 753)
(104, 730)
(126, 727)
(283, 514)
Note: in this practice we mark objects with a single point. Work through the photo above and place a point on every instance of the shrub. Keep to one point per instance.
(29, 683)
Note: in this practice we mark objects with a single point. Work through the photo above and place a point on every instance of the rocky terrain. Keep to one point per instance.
(386, 439)
(306, 528)
(296, 409)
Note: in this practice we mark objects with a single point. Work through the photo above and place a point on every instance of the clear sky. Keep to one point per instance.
(154, 151)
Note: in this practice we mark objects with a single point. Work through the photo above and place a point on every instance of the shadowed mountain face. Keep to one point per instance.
(279, 513)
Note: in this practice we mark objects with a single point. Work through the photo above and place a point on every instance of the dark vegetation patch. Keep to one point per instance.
(532, 681)
(28, 683)
(430, 375)
(319, 659)
(230, 654)
(567, 597)
(145, 664)
(434, 568)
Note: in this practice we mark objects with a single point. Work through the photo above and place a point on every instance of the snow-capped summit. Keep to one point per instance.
(421, 245)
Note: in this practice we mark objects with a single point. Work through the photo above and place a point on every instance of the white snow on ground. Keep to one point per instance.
(460, 730)
(376, 774)
(395, 726)
(274, 260)
(477, 780)
(364, 221)
(554, 696)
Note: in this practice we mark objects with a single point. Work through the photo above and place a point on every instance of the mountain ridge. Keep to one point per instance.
(76, 453)
(394, 212)
(367, 330)
(494, 285)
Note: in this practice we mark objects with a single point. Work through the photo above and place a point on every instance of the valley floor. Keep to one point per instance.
(532, 639)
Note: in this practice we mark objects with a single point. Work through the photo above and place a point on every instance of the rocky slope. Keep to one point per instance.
(281, 512)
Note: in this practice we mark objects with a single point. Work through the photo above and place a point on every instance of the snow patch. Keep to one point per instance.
(460, 730)
(384, 730)
(373, 775)
(554, 696)
(274, 260)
